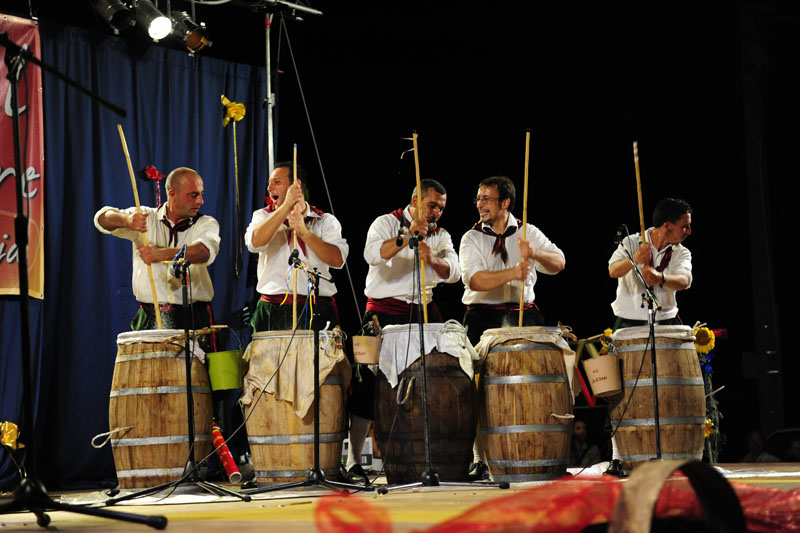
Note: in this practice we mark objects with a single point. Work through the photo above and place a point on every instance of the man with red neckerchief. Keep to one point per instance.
(270, 235)
(390, 289)
(665, 264)
(392, 293)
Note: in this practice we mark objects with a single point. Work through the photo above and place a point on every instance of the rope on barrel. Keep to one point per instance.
(108, 435)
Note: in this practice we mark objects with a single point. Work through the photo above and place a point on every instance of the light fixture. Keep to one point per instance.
(193, 35)
(154, 21)
(115, 13)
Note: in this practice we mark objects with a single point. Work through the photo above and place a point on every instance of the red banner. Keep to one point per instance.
(23, 32)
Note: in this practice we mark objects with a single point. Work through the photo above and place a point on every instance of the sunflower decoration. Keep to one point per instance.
(704, 339)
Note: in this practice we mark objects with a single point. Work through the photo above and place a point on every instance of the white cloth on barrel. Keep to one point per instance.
(400, 347)
(285, 363)
(681, 333)
(162, 336)
(535, 335)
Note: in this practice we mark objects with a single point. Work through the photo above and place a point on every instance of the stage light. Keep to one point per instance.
(193, 35)
(115, 13)
(154, 21)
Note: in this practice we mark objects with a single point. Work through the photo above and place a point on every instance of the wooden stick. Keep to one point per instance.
(524, 219)
(294, 246)
(639, 189)
(419, 213)
(144, 235)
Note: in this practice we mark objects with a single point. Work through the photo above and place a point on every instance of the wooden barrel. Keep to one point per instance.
(452, 420)
(148, 392)
(681, 396)
(523, 384)
(281, 443)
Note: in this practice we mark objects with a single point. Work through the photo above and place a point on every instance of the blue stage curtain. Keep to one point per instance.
(174, 119)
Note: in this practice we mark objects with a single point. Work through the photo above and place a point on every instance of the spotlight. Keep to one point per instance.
(193, 35)
(115, 13)
(154, 21)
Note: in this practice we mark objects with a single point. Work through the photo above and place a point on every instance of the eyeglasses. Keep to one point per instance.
(483, 200)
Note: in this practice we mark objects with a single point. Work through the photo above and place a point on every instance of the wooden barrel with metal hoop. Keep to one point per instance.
(281, 442)
(148, 392)
(452, 402)
(681, 396)
(526, 405)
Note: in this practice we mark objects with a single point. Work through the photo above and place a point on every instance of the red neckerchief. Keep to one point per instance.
(182, 225)
(664, 260)
(271, 208)
(398, 214)
(500, 240)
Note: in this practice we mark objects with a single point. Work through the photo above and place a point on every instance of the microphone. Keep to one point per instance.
(294, 257)
(619, 233)
(399, 241)
(176, 262)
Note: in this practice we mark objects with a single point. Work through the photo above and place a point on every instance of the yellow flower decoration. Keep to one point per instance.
(8, 435)
(704, 340)
(233, 110)
(710, 429)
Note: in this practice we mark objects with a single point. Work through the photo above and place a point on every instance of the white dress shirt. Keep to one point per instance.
(273, 257)
(168, 287)
(476, 255)
(393, 278)
(628, 303)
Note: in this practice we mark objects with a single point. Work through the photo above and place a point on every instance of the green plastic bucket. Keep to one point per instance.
(225, 369)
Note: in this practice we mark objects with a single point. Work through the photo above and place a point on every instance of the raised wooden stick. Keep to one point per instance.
(294, 245)
(144, 235)
(639, 189)
(524, 219)
(419, 213)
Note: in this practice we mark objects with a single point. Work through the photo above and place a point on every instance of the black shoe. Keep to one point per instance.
(357, 476)
(478, 471)
(615, 469)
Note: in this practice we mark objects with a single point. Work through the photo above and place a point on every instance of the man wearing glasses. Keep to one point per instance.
(495, 259)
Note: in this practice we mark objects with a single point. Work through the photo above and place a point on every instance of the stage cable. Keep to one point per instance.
(285, 31)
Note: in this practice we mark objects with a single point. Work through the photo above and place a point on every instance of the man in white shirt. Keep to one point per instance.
(392, 293)
(319, 244)
(496, 261)
(169, 227)
(665, 263)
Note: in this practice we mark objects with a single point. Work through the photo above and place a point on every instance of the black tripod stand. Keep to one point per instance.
(430, 475)
(649, 298)
(191, 470)
(315, 475)
(31, 494)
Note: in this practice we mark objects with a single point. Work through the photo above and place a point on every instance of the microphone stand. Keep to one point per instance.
(649, 298)
(316, 476)
(191, 470)
(31, 495)
(430, 476)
